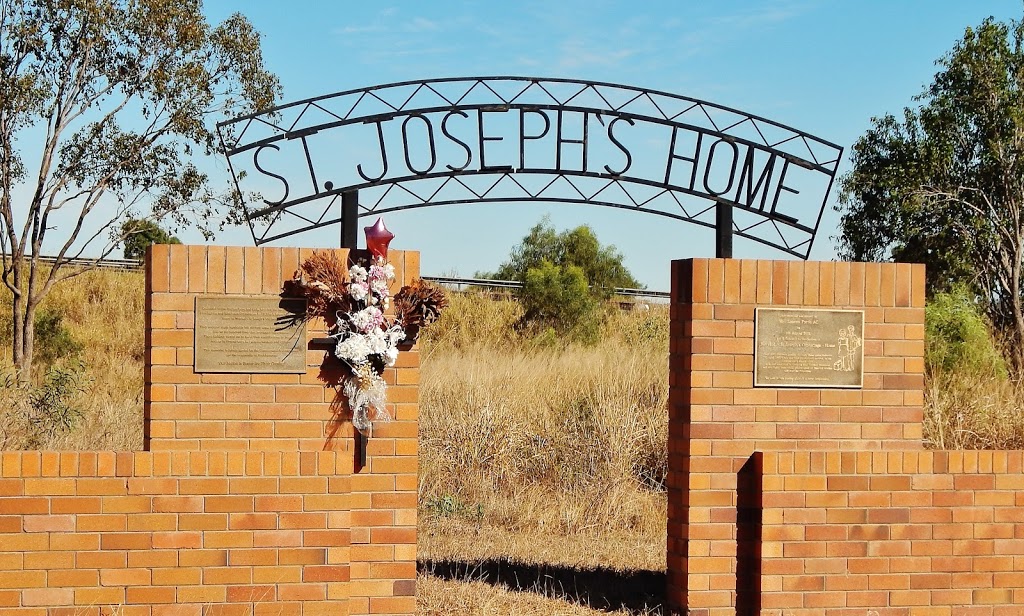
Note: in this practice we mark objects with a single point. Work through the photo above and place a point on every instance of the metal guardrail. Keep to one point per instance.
(459, 283)
(115, 264)
(512, 284)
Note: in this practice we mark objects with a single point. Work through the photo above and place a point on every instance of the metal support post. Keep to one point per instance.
(350, 219)
(723, 231)
(350, 240)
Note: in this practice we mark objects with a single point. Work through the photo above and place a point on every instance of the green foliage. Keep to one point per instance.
(53, 339)
(556, 296)
(602, 266)
(565, 278)
(53, 408)
(944, 184)
(141, 234)
(34, 416)
(958, 336)
(641, 326)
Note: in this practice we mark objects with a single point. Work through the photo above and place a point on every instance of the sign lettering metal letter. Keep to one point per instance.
(383, 157)
(523, 137)
(256, 163)
(465, 146)
(711, 160)
(483, 139)
(778, 191)
(430, 139)
(618, 144)
(747, 173)
(309, 163)
(672, 156)
(560, 141)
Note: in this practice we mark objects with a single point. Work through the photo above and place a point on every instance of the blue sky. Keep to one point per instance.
(825, 67)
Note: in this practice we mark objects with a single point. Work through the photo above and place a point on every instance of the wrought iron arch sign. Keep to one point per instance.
(459, 140)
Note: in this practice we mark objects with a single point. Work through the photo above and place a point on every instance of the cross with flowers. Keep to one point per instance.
(353, 300)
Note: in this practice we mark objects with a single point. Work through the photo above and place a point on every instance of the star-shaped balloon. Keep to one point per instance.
(377, 239)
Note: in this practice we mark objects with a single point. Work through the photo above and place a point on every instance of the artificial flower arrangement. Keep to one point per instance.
(352, 301)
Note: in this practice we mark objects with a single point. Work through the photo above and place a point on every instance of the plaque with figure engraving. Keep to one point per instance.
(257, 335)
(806, 347)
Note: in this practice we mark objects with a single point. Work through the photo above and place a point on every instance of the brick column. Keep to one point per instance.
(285, 412)
(717, 419)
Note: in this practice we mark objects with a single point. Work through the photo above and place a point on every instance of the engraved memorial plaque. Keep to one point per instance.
(259, 335)
(804, 347)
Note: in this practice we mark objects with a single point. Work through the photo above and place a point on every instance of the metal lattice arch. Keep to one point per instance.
(723, 131)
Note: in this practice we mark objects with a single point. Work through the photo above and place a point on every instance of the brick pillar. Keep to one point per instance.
(718, 419)
(285, 412)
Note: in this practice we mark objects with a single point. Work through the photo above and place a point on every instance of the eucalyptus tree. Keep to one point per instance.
(106, 110)
(944, 183)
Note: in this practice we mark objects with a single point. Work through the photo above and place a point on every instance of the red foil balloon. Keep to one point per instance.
(377, 239)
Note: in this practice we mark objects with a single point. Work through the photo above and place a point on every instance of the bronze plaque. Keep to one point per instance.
(259, 335)
(804, 347)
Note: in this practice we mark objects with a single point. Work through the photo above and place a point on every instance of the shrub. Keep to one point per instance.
(37, 416)
(53, 339)
(959, 337)
(53, 403)
(557, 297)
(565, 277)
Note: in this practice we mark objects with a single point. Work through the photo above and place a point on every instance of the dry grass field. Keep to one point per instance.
(103, 313)
(542, 464)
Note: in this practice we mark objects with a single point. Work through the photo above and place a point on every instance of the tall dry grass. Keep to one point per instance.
(522, 436)
(971, 401)
(971, 410)
(104, 312)
(470, 597)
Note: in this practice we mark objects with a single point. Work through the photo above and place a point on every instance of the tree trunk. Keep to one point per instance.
(24, 315)
(18, 349)
(28, 340)
(22, 363)
(23, 325)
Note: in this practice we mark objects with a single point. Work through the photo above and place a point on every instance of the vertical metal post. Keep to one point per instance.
(723, 231)
(350, 219)
(350, 239)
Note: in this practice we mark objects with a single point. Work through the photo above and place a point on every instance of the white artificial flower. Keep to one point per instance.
(366, 319)
(357, 273)
(358, 291)
(353, 349)
(389, 271)
(377, 342)
(391, 356)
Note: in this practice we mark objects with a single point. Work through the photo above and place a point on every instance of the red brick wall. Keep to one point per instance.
(286, 411)
(248, 503)
(717, 419)
(897, 533)
(184, 533)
